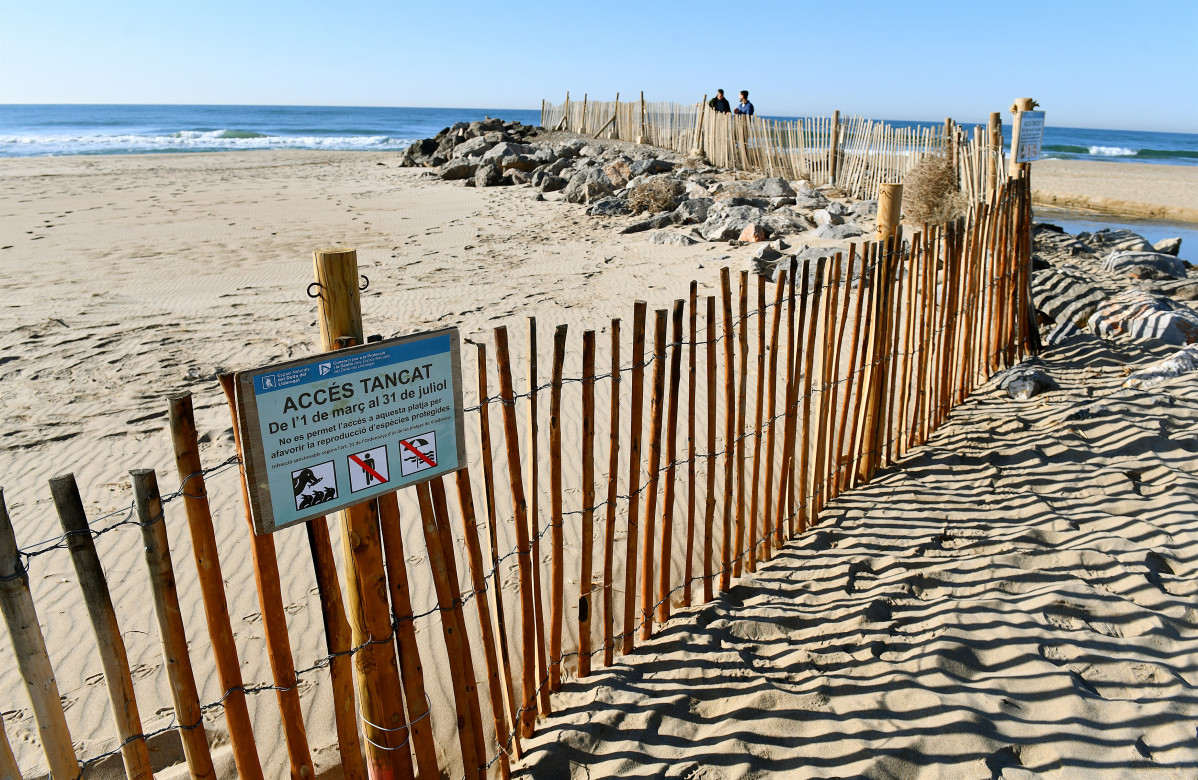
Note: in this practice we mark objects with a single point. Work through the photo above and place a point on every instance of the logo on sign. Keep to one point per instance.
(325, 368)
(268, 381)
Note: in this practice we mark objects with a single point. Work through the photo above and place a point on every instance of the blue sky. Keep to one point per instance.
(1090, 64)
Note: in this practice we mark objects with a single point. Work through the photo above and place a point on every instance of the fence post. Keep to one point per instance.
(1017, 108)
(890, 203)
(698, 150)
(109, 642)
(641, 138)
(29, 647)
(340, 314)
(995, 153)
(834, 147)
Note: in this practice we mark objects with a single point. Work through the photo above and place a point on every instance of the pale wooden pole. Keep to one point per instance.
(834, 147)
(557, 572)
(804, 448)
(667, 509)
(186, 445)
(995, 154)
(635, 431)
(709, 471)
(647, 524)
(170, 624)
(642, 138)
(687, 567)
(1017, 108)
(29, 648)
(697, 151)
(534, 517)
(8, 762)
(339, 315)
(729, 425)
(587, 570)
(109, 643)
(613, 466)
(759, 381)
(742, 394)
(890, 205)
(528, 707)
(772, 384)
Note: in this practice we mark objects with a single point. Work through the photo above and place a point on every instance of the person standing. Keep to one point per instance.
(719, 103)
(744, 108)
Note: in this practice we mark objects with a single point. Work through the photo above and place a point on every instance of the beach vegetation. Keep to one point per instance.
(930, 192)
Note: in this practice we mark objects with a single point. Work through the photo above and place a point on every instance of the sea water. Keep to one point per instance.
(27, 130)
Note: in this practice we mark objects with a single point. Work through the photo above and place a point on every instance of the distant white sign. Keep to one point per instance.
(1031, 136)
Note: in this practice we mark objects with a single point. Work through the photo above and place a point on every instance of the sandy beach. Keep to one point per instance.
(1014, 597)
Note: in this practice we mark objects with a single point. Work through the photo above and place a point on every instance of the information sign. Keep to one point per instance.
(1031, 136)
(327, 432)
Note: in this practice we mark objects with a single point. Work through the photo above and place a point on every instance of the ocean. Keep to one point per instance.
(38, 130)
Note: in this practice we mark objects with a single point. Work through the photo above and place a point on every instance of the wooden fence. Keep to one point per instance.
(765, 403)
(854, 153)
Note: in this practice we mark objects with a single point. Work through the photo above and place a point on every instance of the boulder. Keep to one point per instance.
(419, 153)
(1144, 316)
(838, 232)
(515, 176)
(518, 162)
(588, 186)
(772, 187)
(650, 166)
(696, 190)
(569, 148)
(838, 209)
(670, 238)
(1168, 246)
(652, 223)
(1145, 265)
(458, 169)
(725, 223)
(1053, 240)
(1186, 292)
(618, 172)
(693, 211)
(784, 221)
(1108, 239)
(475, 147)
(826, 217)
(752, 233)
(866, 209)
(1066, 294)
(610, 206)
(488, 175)
(812, 201)
(1181, 362)
(1024, 382)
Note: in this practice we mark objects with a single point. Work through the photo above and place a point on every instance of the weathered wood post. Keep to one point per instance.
(697, 151)
(1017, 108)
(641, 137)
(339, 309)
(995, 154)
(834, 147)
(890, 204)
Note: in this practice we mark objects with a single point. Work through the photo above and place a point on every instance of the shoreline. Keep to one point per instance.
(1138, 190)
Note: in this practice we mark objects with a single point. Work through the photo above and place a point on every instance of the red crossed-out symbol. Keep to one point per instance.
(418, 453)
(367, 469)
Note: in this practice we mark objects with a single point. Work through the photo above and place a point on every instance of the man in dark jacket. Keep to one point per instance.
(719, 103)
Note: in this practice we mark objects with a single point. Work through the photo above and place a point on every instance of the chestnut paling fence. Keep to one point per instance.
(684, 457)
(854, 153)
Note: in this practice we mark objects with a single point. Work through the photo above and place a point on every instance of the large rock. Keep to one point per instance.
(693, 211)
(458, 169)
(420, 153)
(569, 148)
(786, 221)
(507, 149)
(773, 187)
(752, 234)
(610, 206)
(488, 175)
(725, 223)
(618, 172)
(651, 166)
(518, 162)
(826, 217)
(475, 147)
(1181, 362)
(1108, 240)
(838, 209)
(588, 186)
(669, 238)
(866, 209)
(1024, 382)
(1145, 265)
(1144, 316)
(1066, 294)
(1054, 241)
(839, 232)
(1170, 246)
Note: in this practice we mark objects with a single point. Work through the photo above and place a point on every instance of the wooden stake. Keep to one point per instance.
(667, 510)
(709, 508)
(411, 671)
(687, 570)
(587, 574)
(802, 491)
(462, 678)
(557, 579)
(729, 425)
(109, 643)
(647, 525)
(890, 203)
(634, 469)
(534, 517)
(759, 381)
(789, 404)
(609, 531)
(274, 619)
(170, 624)
(834, 150)
(772, 383)
(827, 381)
(994, 155)
(528, 709)
(339, 314)
(212, 586)
(29, 648)
(482, 604)
(484, 424)
(741, 405)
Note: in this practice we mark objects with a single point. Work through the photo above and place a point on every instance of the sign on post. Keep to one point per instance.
(1031, 136)
(331, 431)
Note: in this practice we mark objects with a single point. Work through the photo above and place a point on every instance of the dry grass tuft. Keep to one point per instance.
(930, 192)
(655, 195)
